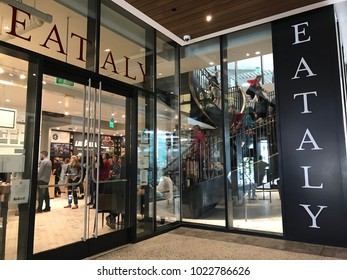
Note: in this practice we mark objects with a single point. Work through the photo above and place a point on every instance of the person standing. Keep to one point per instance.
(56, 172)
(260, 171)
(81, 186)
(73, 177)
(255, 88)
(105, 173)
(198, 149)
(43, 177)
(235, 120)
(215, 88)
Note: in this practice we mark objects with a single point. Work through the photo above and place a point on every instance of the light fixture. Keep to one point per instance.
(208, 18)
(1, 70)
(44, 82)
(211, 63)
(6, 83)
(31, 10)
(7, 100)
(257, 52)
(66, 113)
(22, 76)
(107, 50)
(247, 54)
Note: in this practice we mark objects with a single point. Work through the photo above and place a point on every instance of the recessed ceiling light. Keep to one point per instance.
(44, 82)
(1, 70)
(66, 113)
(211, 63)
(10, 74)
(7, 83)
(160, 74)
(123, 116)
(247, 54)
(107, 50)
(257, 52)
(22, 76)
(208, 18)
(60, 102)
(7, 100)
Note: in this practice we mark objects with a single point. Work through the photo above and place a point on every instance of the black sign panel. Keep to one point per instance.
(310, 127)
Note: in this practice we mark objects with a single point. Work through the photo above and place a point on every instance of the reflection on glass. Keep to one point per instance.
(13, 100)
(45, 31)
(168, 176)
(254, 178)
(201, 134)
(145, 154)
(123, 49)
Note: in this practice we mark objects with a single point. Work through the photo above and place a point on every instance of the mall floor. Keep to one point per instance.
(182, 243)
(199, 244)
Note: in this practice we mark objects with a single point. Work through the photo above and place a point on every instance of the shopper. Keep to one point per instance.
(43, 177)
(73, 177)
(56, 172)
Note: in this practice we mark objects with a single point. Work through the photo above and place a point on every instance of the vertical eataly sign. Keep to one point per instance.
(310, 124)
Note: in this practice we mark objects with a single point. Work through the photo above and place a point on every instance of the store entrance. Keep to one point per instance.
(85, 130)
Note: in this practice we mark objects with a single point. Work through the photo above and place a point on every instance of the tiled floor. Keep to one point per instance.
(64, 226)
(194, 244)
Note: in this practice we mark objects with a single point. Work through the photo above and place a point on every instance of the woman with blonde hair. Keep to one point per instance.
(73, 175)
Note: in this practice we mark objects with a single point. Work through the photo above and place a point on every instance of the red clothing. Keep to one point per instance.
(236, 120)
(198, 144)
(253, 83)
(105, 172)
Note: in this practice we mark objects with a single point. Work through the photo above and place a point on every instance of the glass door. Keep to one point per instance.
(83, 131)
(17, 112)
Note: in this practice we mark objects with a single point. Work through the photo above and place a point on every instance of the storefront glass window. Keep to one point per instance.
(126, 48)
(13, 156)
(201, 134)
(146, 190)
(168, 175)
(57, 29)
(254, 178)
